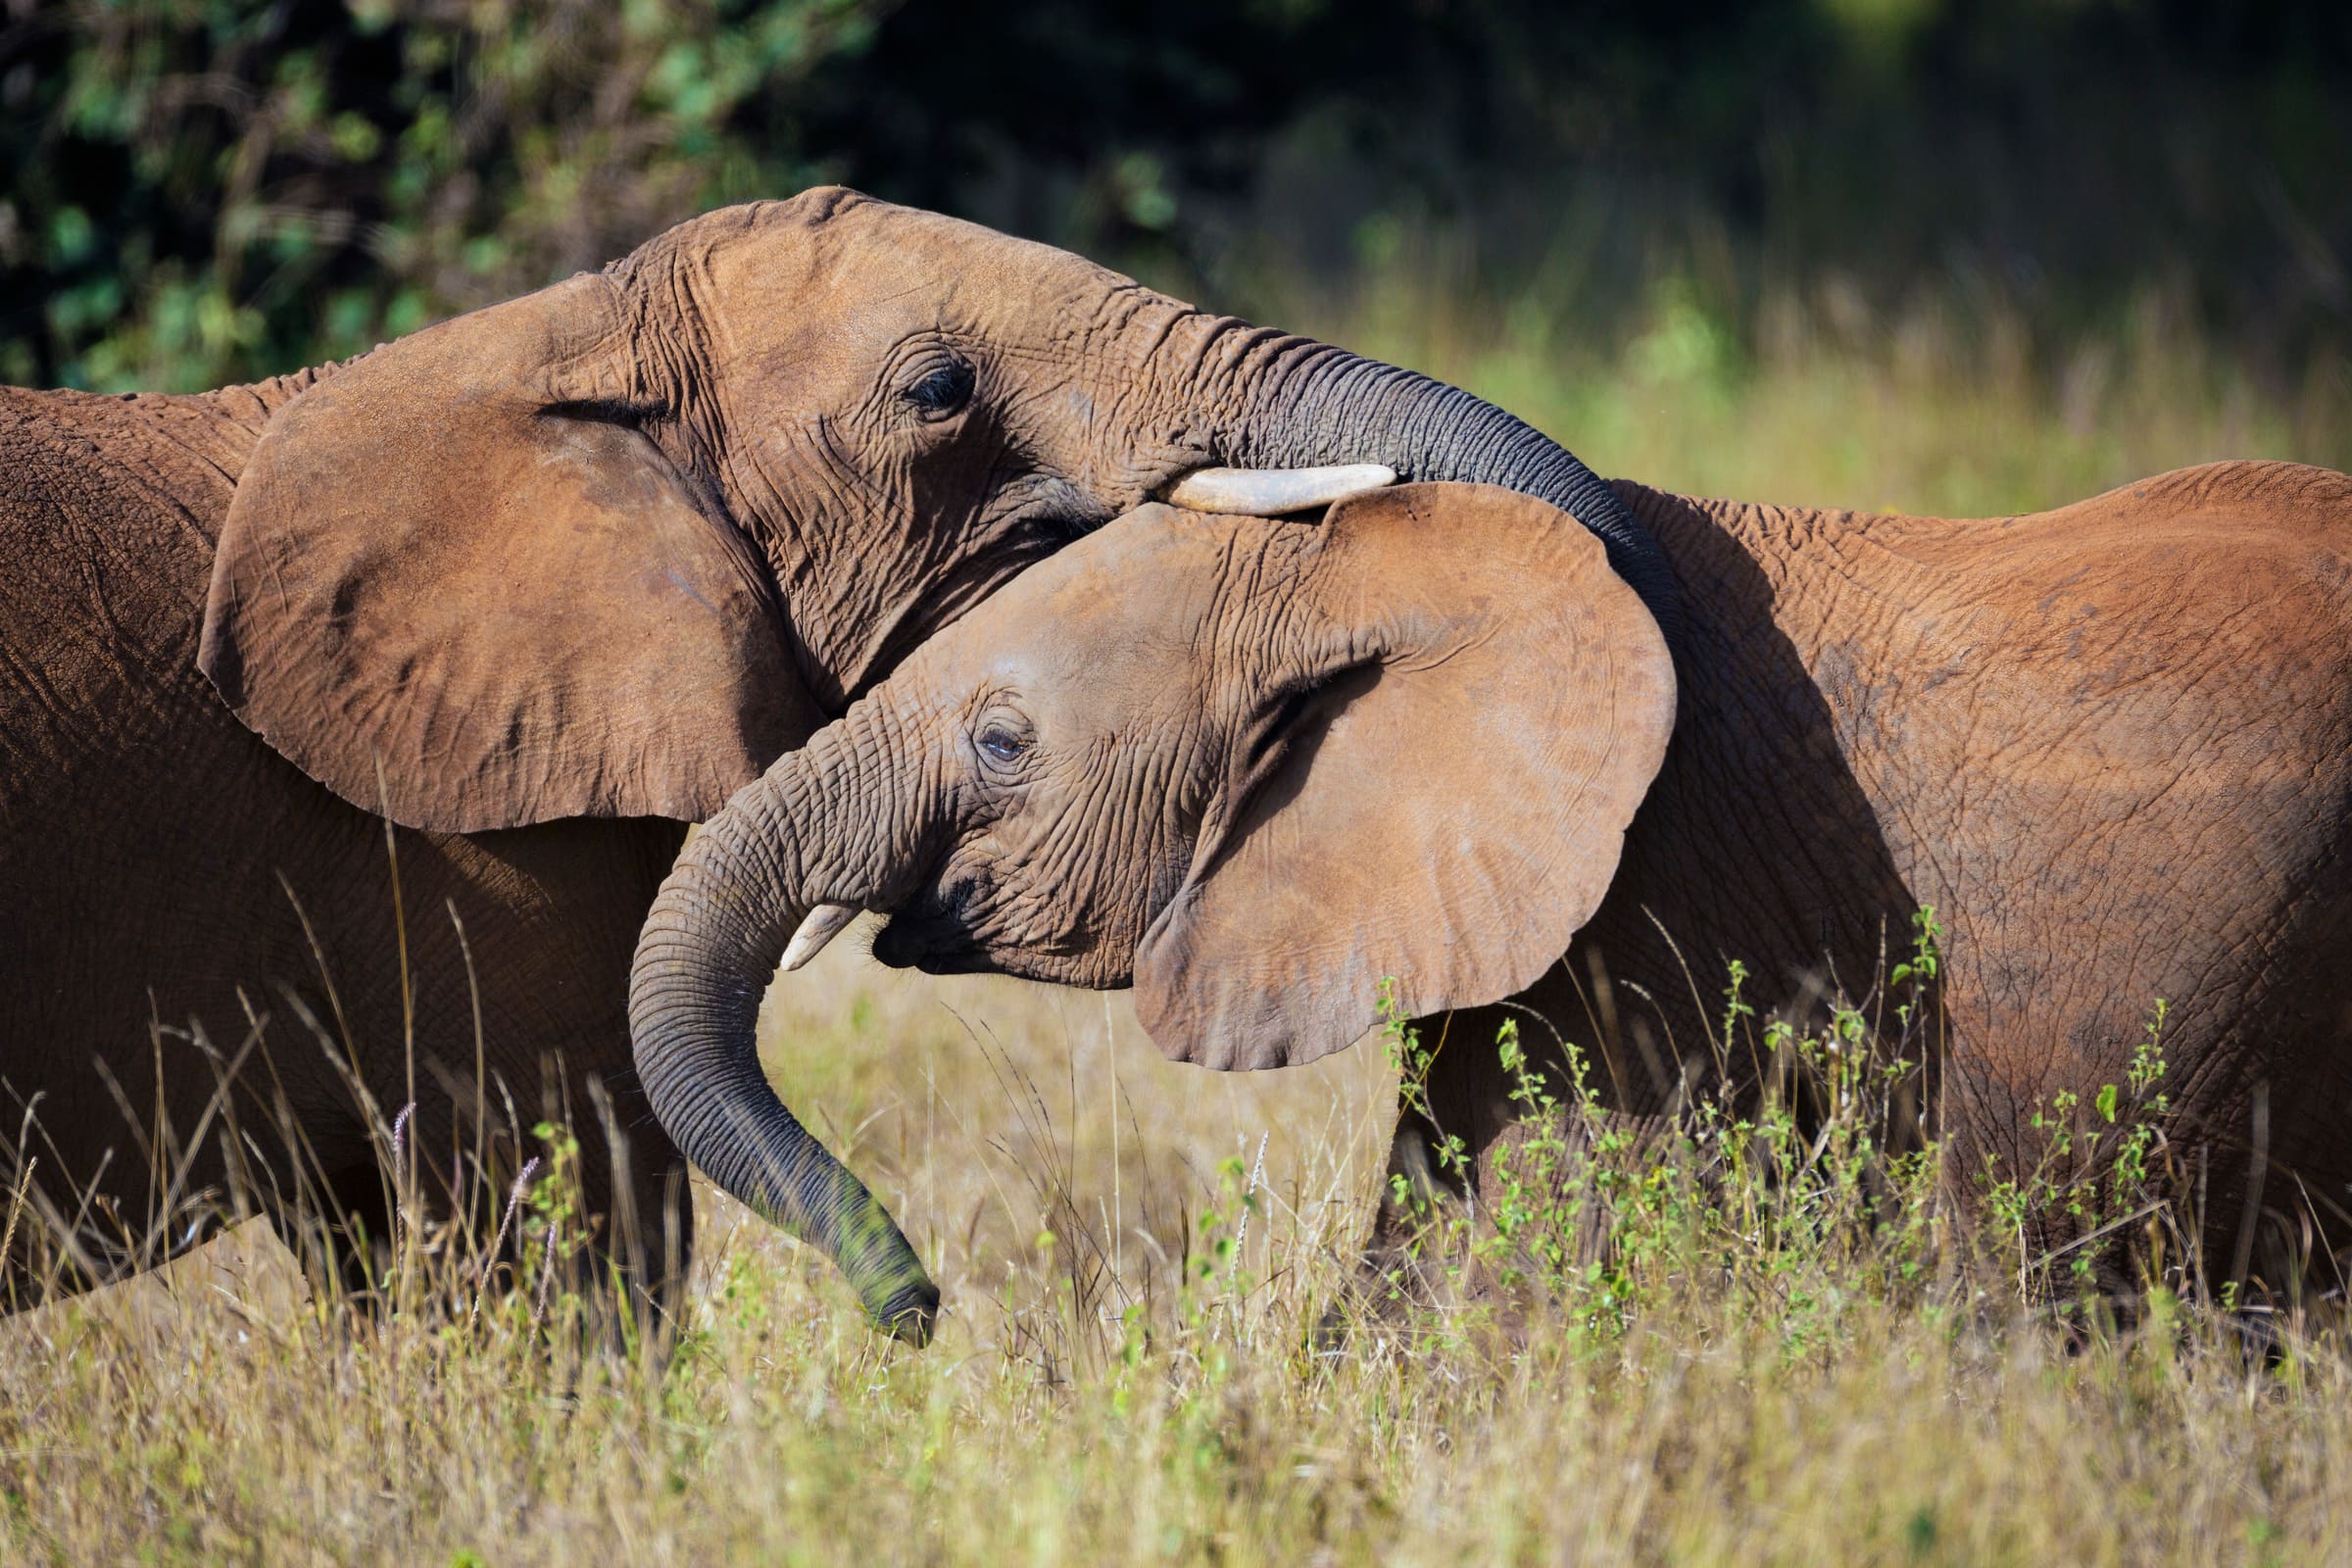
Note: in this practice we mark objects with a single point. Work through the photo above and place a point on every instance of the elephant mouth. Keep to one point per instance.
(934, 933)
(906, 944)
(953, 931)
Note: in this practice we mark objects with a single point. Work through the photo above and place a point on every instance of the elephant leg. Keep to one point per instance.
(656, 1244)
(1454, 1114)
(634, 1185)
(635, 1212)
(341, 1233)
(52, 1249)
(67, 1237)
(1474, 1148)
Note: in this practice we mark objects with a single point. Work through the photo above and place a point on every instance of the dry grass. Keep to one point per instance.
(1112, 1382)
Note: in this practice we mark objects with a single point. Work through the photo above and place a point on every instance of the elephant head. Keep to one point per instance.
(1254, 767)
(610, 548)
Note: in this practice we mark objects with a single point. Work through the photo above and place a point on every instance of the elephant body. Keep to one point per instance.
(177, 895)
(539, 585)
(2109, 745)
(1434, 738)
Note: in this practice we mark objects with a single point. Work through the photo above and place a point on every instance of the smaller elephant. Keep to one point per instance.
(1254, 767)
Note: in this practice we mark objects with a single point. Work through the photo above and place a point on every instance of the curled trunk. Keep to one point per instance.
(708, 952)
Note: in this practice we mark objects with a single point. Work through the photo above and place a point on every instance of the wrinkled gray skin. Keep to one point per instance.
(1257, 767)
(540, 583)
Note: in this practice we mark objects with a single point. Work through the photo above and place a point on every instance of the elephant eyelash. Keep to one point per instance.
(1002, 743)
(944, 390)
(599, 410)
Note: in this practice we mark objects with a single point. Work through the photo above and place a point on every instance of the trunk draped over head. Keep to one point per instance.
(708, 952)
(713, 941)
(1312, 405)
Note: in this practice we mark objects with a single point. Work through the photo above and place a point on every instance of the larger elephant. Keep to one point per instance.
(542, 584)
(1438, 738)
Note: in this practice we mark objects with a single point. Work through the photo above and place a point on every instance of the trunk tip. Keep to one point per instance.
(910, 1314)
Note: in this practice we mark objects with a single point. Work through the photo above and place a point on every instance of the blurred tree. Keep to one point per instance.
(197, 190)
(205, 189)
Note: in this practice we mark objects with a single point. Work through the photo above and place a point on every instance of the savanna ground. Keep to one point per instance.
(1794, 1354)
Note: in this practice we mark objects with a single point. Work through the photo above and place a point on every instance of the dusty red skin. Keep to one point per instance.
(2110, 744)
(541, 582)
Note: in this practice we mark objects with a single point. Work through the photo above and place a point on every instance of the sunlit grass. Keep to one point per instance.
(1760, 1376)
(1123, 1373)
(1951, 401)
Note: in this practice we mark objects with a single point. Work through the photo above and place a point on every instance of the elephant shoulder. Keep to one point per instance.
(109, 507)
(2243, 493)
(46, 454)
(2268, 542)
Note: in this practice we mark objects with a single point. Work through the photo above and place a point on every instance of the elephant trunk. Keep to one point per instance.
(706, 956)
(1313, 405)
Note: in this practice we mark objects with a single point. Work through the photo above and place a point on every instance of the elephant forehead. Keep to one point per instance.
(964, 254)
(854, 249)
(1141, 607)
(1154, 576)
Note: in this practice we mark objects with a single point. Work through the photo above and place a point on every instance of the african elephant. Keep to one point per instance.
(540, 584)
(1438, 738)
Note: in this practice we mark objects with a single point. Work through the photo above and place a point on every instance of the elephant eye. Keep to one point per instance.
(942, 391)
(1002, 742)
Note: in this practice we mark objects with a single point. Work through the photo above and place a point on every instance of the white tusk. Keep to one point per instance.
(823, 924)
(1273, 492)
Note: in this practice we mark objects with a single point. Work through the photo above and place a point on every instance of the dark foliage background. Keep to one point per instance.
(194, 191)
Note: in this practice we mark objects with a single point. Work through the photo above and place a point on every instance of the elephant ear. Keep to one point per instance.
(1441, 788)
(459, 584)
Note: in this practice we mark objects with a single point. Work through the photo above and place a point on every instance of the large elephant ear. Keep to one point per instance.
(1482, 706)
(457, 583)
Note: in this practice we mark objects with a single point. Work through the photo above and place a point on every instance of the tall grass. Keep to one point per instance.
(1789, 1353)
(1760, 1338)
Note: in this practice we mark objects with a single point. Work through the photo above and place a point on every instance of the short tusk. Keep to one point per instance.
(823, 924)
(1273, 492)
